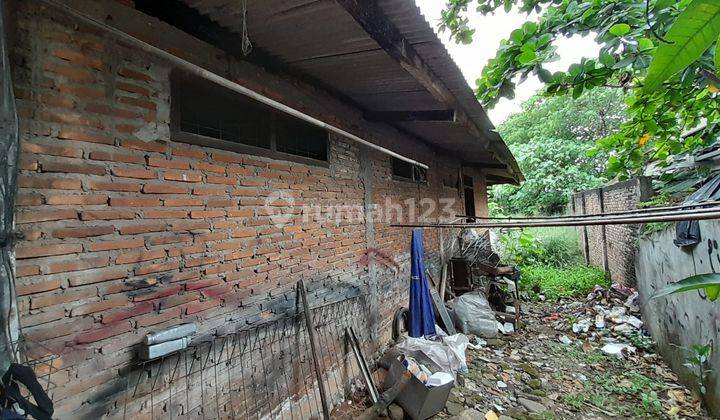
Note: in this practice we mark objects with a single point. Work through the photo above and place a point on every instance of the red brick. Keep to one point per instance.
(136, 229)
(27, 163)
(49, 183)
(244, 233)
(84, 136)
(226, 158)
(187, 152)
(186, 250)
(107, 331)
(131, 88)
(241, 213)
(208, 167)
(120, 314)
(190, 225)
(170, 239)
(134, 202)
(76, 264)
(195, 307)
(106, 215)
(167, 163)
(156, 268)
(176, 300)
(22, 252)
(201, 284)
(154, 319)
(217, 292)
(165, 189)
(45, 216)
(158, 293)
(137, 256)
(28, 200)
(72, 168)
(111, 111)
(220, 268)
(208, 191)
(66, 200)
(56, 329)
(97, 276)
(31, 235)
(183, 176)
(103, 305)
(82, 91)
(70, 72)
(182, 202)
(210, 237)
(196, 262)
(83, 232)
(115, 186)
(133, 74)
(27, 270)
(79, 58)
(206, 214)
(165, 214)
(117, 157)
(254, 162)
(246, 182)
(237, 255)
(138, 102)
(148, 146)
(126, 128)
(73, 295)
(221, 180)
(50, 150)
(134, 173)
(111, 245)
(44, 286)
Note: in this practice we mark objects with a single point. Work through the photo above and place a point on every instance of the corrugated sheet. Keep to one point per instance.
(319, 38)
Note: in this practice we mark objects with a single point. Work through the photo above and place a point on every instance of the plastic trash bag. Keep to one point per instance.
(473, 315)
(447, 354)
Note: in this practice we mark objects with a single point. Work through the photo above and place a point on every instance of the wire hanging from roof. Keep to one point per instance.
(245, 45)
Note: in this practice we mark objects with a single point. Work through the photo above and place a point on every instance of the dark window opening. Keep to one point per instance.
(408, 171)
(469, 193)
(213, 116)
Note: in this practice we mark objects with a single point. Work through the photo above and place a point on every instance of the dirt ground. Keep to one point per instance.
(532, 374)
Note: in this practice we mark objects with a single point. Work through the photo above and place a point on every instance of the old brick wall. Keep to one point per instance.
(613, 247)
(127, 231)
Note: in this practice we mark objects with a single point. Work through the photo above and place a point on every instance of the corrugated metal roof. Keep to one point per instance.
(321, 39)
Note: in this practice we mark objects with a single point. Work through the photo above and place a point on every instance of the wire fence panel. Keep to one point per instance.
(263, 372)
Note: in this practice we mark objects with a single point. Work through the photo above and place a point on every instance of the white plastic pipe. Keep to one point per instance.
(215, 78)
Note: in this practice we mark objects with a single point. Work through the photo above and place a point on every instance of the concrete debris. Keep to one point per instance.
(617, 349)
(565, 339)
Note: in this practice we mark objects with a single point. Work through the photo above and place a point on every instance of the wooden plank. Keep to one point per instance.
(444, 315)
(445, 115)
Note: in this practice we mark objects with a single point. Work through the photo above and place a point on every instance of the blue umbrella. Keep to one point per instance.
(422, 317)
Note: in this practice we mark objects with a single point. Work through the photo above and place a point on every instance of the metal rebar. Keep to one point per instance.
(599, 221)
(708, 205)
(313, 350)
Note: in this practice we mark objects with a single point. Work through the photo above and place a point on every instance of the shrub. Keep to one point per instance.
(555, 247)
(555, 283)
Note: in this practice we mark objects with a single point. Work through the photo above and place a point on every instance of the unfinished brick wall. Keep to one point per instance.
(613, 247)
(127, 231)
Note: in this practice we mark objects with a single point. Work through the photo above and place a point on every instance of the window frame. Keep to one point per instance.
(177, 135)
(413, 167)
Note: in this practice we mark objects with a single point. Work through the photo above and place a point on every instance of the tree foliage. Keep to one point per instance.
(675, 36)
(550, 139)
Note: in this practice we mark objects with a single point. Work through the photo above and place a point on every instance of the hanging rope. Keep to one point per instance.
(246, 46)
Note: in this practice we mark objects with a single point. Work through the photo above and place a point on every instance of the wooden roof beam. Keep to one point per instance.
(368, 15)
(445, 115)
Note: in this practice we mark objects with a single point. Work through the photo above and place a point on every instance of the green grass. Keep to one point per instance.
(555, 283)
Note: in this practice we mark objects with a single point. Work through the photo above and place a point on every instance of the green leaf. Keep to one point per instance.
(620, 29)
(645, 44)
(717, 55)
(526, 57)
(710, 282)
(695, 29)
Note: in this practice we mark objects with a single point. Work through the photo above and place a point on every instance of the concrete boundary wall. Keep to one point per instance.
(611, 248)
(682, 320)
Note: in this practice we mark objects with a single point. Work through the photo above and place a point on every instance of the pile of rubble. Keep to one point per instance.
(589, 358)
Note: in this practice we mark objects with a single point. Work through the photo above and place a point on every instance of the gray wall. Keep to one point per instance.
(611, 248)
(687, 318)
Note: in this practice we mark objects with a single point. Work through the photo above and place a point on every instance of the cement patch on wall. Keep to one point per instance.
(679, 321)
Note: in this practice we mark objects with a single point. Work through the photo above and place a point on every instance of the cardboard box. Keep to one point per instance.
(418, 401)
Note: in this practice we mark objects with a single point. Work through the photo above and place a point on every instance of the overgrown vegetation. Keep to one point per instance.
(551, 139)
(660, 51)
(550, 262)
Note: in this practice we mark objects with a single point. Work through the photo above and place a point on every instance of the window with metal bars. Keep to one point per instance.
(209, 115)
(406, 171)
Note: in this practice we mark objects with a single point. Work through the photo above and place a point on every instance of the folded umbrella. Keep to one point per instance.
(421, 315)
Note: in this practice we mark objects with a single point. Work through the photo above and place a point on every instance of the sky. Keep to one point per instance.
(490, 30)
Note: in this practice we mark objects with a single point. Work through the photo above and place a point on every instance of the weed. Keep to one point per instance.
(640, 340)
(576, 353)
(697, 362)
(557, 283)
(557, 247)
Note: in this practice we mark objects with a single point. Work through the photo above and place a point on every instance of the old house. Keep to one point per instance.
(191, 161)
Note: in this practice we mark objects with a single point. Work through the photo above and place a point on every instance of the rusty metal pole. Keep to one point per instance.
(313, 350)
